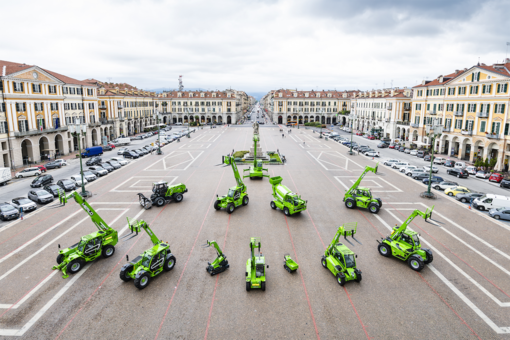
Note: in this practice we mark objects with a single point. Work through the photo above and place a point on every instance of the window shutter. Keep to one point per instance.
(482, 126)
(489, 88)
(505, 88)
(502, 108)
(498, 88)
(506, 129)
(21, 85)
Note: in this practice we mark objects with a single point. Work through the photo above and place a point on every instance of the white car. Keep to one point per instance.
(119, 160)
(471, 170)
(77, 180)
(326, 134)
(413, 152)
(63, 162)
(408, 168)
(28, 172)
(445, 185)
(483, 174)
(122, 150)
(390, 162)
(399, 165)
(372, 154)
(439, 160)
(435, 169)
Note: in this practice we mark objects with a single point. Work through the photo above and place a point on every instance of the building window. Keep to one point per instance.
(502, 88)
(64, 89)
(471, 107)
(23, 125)
(3, 127)
(18, 86)
(475, 76)
(482, 126)
(451, 91)
(499, 108)
(462, 90)
(36, 88)
(38, 107)
(495, 127)
(458, 123)
(72, 90)
(474, 90)
(21, 107)
(52, 89)
(2, 107)
(487, 89)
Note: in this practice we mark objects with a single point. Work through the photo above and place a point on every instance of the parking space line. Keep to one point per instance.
(27, 295)
(130, 178)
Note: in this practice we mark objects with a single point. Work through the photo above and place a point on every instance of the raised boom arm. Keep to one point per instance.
(96, 219)
(136, 226)
(229, 160)
(426, 215)
(347, 229)
(356, 184)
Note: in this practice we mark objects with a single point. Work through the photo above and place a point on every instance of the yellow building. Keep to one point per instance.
(472, 105)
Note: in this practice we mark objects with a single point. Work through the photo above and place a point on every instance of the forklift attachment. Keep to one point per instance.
(145, 202)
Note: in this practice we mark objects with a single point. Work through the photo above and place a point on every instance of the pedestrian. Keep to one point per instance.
(282, 135)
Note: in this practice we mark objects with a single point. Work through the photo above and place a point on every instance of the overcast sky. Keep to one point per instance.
(256, 45)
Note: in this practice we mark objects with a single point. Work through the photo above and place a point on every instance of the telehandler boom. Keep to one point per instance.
(237, 195)
(256, 170)
(220, 264)
(256, 267)
(361, 197)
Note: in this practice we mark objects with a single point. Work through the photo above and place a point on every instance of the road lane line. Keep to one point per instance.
(28, 294)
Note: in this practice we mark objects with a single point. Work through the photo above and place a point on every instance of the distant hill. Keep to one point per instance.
(257, 95)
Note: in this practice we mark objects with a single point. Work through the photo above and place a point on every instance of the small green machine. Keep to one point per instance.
(285, 199)
(405, 244)
(162, 194)
(289, 264)
(151, 262)
(237, 196)
(92, 246)
(339, 259)
(220, 264)
(256, 267)
(361, 197)
(256, 170)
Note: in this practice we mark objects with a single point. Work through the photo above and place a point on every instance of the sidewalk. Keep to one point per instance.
(69, 156)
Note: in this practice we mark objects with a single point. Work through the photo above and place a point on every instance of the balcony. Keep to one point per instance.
(467, 132)
(122, 119)
(94, 124)
(414, 125)
(406, 123)
(387, 120)
(102, 106)
(492, 136)
(447, 129)
(105, 121)
(407, 109)
(389, 108)
(458, 113)
(482, 114)
(38, 132)
(433, 112)
(120, 107)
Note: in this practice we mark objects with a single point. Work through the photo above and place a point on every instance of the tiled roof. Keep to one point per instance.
(197, 95)
(311, 94)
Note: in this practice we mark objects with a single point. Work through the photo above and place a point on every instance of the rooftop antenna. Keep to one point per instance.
(181, 87)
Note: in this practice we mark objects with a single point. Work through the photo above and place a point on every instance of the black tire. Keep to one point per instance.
(324, 263)
(263, 286)
(350, 203)
(60, 258)
(437, 187)
(107, 251)
(248, 286)
(75, 266)
(450, 194)
(384, 249)
(246, 200)
(463, 200)
(458, 176)
(169, 263)
(481, 208)
(159, 202)
(415, 262)
(358, 278)
(340, 279)
(217, 205)
(496, 217)
(373, 208)
(430, 257)
(124, 271)
(178, 198)
(273, 205)
(230, 208)
(142, 281)
(286, 211)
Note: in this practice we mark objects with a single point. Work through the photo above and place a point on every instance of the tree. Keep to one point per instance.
(486, 163)
(492, 163)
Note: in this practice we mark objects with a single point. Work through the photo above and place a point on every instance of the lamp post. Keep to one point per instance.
(352, 117)
(321, 113)
(77, 130)
(159, 134)
(187, 111)
(433, 131)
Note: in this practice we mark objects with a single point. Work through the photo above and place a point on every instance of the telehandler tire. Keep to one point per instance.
(108, 251)
(340, 279)
(286, 211)
(178, 198)
(142, 281)
(263, 286)
(358, 278)
(415, 262)
(159, 202)
(373, 208)
(75, 266)
(169, 263)
(248, 286)
(350, 203)
(384, 249)
(230, 208)
(124, 271)
(273, 205)
(217, 205)
(430, 257)
(246, 200)
(324, 263)
(60, 258)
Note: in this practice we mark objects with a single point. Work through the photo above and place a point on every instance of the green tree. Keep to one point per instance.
(486, 163)
(492, 163)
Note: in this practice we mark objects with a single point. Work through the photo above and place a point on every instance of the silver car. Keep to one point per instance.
(77, 180)
(40, 196)
(101, 171)
(121, 151)
(25, 203)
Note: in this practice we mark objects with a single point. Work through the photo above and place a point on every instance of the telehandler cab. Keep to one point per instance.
(151, 262)
(100, 243)
(405, 244)
(361, 197)
(220, 264)
(339, 259)
(256, 170)
(285, 199)
(237, 195)
(256, 267)
(162, 193)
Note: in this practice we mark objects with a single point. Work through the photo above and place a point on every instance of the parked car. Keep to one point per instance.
(92, 151)
(435, 169)
(131, 154)
(420, 175)
(42, 168)
(112, 145)
(460, 165)
(107, 148)
(445, 185)
(28, 172)
(54, 189)
(391, 161)
(121, 161)
(77, 180)
(392, 146)
(67, 184)
(426, 158)
(460, 173)
(121, 151)
(435, 180)
(382, 145)
(371, 137)
(490, 201)
(116, 165)
(53, 165)
(449, 163)
(483, 174)
(407, 169)
(40, 196)
(8, 212)
(98, 171)
(41, 181)
(422, 154)
(93, 161)
(439, 160)
(402, 149)
(500, 213)
(365, 150)
(62, 162)
(107, 166)
(415, 172)
(142, 151)
(399, 165)
(467, 197)
(471, 170)
(456, 190)
(25, 203)
(413, 152)
(496, 177)
(372, 154)
(505, 183)
(89, 176)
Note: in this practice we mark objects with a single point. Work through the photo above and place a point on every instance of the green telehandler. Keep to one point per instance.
(339, 259)
(256, 267)
(256, 170)
(237, 195)
(162, 193)
(151, 262)
(220, 264)
(361, 197)
(285, 199)
(100, 243)
(405, 244)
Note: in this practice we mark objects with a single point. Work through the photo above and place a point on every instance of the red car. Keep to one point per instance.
(392, 146)
(43, 168)
(495, 177)
(112, 145)
(371, 137)
(359, 133)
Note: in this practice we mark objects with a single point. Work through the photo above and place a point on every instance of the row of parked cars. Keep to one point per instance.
(363, 149)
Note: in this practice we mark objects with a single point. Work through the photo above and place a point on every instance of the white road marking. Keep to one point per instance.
(158, 177)
(195, 146)
(369, 178)
(25, 298)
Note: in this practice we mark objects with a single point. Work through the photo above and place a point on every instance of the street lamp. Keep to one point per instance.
(77, 130)
(159, 134)
(352, 117)
(433, 131)
(321, 113)
(187, 111)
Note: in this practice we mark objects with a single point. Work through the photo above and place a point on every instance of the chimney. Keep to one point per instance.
(507, 60)
(3, 71)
